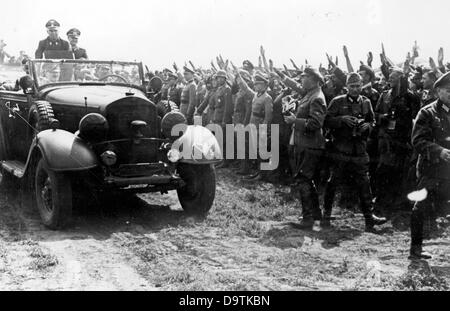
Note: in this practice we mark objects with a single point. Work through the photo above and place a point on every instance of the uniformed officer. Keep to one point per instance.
(53, 41)
(350, 118)
(223, 108)
(261, 112)
(188, 95)
(73, 35)
(431, 139)
(395, 113)
(170, 90)
(307, 140)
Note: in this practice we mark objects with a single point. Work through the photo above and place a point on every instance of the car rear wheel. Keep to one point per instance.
(53, 196)
(197, 196)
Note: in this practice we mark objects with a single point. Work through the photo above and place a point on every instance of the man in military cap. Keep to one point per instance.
(73, 35)
(431, 139)
(223, 108)
(350, 118)
(248, 66)
(395, 113)
(171, 91)
(261, 112)
(188, 95)
(53, 41)
(428, 95)
(307, 141)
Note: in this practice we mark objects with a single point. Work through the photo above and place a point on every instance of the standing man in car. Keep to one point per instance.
(53, 41)
(73, 35)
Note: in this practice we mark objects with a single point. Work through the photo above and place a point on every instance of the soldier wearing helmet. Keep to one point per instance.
(53, 41)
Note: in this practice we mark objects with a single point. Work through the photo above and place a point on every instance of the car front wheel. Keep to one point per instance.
(197, 196)
(53, 196)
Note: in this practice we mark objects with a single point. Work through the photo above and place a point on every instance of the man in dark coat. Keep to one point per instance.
(53, 41)
(431, 139)
(73, 35)
(307, 140)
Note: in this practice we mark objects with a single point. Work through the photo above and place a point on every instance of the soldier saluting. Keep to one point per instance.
(431, 139)
(73, 35)
(53, 41)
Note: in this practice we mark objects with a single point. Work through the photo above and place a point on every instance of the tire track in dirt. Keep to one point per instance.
(86, 258)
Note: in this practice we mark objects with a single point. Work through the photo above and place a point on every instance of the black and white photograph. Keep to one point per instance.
(239, 147)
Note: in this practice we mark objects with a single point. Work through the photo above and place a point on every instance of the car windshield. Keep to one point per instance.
(76, 71)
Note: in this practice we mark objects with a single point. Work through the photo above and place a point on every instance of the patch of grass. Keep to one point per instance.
(42, 259)
(421, 281)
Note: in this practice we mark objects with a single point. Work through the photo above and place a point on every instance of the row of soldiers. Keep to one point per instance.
(354, 128)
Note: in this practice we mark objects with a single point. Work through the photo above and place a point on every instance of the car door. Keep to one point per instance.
(15, 108)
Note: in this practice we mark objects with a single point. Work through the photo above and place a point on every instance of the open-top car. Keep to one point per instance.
(79, 128)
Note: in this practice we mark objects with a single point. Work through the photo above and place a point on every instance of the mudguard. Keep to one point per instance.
(198, 145)
(64, 151)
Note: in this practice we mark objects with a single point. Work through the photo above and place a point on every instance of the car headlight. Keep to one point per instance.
(109, 158)
(174, 155)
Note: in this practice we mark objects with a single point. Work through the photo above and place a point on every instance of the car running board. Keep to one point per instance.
(15, 168)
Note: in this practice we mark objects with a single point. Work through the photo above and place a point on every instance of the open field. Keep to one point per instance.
(246, 243)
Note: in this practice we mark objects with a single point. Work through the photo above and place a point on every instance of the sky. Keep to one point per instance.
(160, 32)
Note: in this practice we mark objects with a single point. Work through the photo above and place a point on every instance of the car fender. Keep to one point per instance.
(198, 145)
(64, 151)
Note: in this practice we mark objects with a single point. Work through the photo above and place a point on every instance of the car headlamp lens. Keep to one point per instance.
(109, 158)
(174, 155)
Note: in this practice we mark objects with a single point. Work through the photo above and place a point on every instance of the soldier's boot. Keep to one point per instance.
(330, 191)
(416, 252)
(305, 224)
(372, 221)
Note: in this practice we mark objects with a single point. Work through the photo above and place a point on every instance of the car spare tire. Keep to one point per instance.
(197, 196)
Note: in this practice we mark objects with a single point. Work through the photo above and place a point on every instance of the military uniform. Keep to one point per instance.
(430, 138)
(395, 114)
(188, 100)
(308, 143)
(349, 153)
(49, 45)
(243, 107)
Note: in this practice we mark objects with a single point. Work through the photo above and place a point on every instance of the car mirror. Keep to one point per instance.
(26, 83)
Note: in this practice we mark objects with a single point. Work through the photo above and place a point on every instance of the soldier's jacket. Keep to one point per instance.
(188, 100)
(207, 105)
(345, 139)
(311, 113)
(49, 45)
(262, 106)
(427, 97)
(243, 107)
(171, 93)
(223, 105)
(80, 53)
(372, 94)
(430, 135)
(404, 108)
(200, 95)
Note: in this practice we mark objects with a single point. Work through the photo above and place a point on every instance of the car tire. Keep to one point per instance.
(197, 196)
(40, 116)
(53, 196)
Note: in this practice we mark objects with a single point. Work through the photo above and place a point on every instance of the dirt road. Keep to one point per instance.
(246, 243)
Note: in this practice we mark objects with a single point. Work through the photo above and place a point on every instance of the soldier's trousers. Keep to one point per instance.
(438, 193)
(306, 162)
(356, 169)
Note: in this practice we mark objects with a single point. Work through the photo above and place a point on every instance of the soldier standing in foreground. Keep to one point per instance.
(307, 140)
(351, 118)
(53, 41)
(431, 139)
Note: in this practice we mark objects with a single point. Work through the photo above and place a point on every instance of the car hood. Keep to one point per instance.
(98, 96)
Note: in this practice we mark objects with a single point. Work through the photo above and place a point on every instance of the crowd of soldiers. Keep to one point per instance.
(354, 129)
(380, 133)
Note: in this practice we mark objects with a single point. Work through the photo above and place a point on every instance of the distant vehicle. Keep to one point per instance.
(79, 128)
